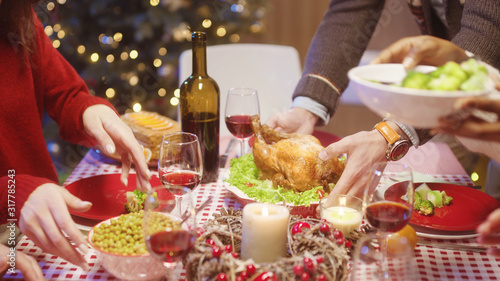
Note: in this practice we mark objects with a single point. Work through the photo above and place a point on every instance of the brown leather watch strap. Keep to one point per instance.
(389, 134)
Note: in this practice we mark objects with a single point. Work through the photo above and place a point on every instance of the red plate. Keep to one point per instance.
(106, 193)
(468, 209)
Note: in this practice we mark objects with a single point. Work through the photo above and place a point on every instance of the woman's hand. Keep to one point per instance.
(362, 149)
(489, 232)
(471, 126)
(26, 264)
(428, 50)
(296, 120)
(113, 135)
(45, 219)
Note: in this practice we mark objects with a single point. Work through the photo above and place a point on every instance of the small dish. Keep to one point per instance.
(106, 193)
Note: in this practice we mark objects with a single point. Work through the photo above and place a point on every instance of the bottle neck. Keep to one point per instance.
(199, 58)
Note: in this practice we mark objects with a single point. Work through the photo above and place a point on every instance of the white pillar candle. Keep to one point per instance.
(264, 232)
(345, 219)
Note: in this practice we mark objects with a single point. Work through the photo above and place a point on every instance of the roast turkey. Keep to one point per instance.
(291, 160)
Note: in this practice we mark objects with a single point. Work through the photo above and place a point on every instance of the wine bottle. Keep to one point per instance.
(200, 109)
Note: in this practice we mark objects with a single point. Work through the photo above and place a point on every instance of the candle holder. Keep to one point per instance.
(344, 212)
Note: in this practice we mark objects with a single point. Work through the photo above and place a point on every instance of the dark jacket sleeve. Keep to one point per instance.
(337, 46)
(480, 30)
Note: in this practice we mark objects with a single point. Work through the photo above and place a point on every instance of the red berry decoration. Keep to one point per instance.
(250, 269)
(339, 241)
(239, 278)
(337, 234)
(244, 275)
(228, 248)
(319, 259)
(309, 264)
(297, 227)
(321, 277)
(305, 276)
(324, 227)
(298, 269)
(210, 242)
(216, 251)
(266, 276)
(235, 255)
(221, 277)
(348, 244)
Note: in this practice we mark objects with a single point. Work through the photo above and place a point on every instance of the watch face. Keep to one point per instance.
(399, 150)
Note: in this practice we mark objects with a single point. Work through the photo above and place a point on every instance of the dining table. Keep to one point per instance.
(433, 162)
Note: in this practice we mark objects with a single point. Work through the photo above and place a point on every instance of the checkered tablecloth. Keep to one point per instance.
(432, 263)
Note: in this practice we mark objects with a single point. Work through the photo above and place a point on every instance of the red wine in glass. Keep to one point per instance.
(241, 104)
(170, 246)
(239, 125)
(177, 181)
(388, 216)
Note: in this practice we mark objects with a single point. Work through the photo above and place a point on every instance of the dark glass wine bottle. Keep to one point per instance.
(200, 110)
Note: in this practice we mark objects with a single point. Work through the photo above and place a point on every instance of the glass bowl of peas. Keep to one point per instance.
(120, 248)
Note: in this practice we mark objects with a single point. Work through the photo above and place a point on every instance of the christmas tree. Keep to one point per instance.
(127, 51)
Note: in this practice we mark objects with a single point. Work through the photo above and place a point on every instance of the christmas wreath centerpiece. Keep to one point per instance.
(316, 251)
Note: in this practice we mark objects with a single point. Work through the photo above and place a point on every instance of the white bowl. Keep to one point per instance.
(125, 267)
(418, 108)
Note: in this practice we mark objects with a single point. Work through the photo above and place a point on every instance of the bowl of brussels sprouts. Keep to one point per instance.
(119, 245)
(423, 95)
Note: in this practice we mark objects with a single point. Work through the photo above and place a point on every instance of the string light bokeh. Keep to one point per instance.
(127, 51)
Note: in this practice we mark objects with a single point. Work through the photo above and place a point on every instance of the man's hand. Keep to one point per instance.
(362, 149)
(428, 50)
(295, 120)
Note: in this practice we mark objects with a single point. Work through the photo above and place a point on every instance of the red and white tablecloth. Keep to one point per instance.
(432, 263)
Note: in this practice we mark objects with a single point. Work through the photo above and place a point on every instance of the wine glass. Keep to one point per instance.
(241, 104)
(388, 204)
(169, 229)
(180, 165)
(368, 256)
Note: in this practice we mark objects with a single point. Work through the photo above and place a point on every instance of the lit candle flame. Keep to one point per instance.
(341, 212)
(342, 201)
(265, 211)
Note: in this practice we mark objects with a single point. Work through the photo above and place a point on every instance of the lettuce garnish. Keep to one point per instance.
(244, 175)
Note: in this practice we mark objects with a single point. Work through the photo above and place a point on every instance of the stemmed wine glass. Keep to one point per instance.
(241, 104)
(180, 165)
(388, 204)
(169, 229)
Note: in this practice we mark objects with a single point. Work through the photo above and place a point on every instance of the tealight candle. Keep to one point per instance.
(264, 232)
(343, 211)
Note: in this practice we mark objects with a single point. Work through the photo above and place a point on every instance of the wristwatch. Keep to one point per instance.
(397, 146)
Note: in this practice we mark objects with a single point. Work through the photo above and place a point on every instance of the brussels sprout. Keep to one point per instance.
(474, 83)
(472, 67)
(452, 68)
(445, 83)
(416, 80)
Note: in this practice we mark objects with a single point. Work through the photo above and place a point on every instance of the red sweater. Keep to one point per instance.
(49, 84)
